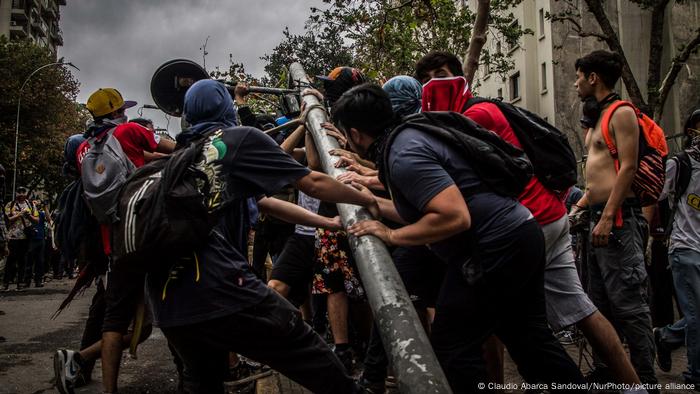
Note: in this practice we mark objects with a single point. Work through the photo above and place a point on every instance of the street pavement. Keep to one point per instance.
(31, 338)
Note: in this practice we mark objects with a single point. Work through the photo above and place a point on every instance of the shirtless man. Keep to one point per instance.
(616, 259)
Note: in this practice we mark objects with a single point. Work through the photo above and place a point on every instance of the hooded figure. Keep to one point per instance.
(446, 94)
(207, 105)
(405, 94)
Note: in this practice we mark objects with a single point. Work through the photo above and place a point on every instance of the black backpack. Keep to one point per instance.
(669, 206)
(503, 168)
(74, 223)
(169, 206)
(546, 146)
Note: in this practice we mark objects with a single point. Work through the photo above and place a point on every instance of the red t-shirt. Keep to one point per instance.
(546, 206)
(134, 139)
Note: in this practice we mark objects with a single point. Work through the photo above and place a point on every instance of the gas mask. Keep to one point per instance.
(592, 109)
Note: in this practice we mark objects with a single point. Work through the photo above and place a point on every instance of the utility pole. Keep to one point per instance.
(402, 333)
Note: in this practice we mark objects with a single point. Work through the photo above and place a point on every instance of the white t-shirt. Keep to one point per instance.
(310, 204)
(686, 221)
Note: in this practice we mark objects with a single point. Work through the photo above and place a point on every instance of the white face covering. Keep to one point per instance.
(121, 119)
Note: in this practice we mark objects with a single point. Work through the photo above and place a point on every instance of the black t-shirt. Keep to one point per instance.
(422, 166)
(216, 280)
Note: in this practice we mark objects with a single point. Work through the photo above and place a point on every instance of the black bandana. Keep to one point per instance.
(592, 109)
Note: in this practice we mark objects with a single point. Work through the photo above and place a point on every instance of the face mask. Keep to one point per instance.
(592, 109)
(121, 119)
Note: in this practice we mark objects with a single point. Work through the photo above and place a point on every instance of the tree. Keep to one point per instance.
(388, 37)
(319, 51)
(659, 82)
(48, 115)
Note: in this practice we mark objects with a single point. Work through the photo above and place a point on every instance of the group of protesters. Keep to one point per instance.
(26, 242)
(485, 270)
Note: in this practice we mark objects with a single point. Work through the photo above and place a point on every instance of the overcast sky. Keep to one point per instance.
(121, 43)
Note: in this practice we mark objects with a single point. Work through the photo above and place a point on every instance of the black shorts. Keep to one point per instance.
(422, 273)
(123, 292)
(294, 266)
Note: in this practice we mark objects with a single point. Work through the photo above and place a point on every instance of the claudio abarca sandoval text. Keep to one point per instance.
(584, 386)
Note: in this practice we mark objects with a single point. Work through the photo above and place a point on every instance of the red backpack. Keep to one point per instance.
(651, 170)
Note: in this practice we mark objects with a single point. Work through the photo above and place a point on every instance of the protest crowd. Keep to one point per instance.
(228, 239)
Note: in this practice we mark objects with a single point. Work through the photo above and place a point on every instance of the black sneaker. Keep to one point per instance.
(663, 352)
(345, 357)
(371, 387)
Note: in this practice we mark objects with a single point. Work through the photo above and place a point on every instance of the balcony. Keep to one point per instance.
(18, 29)
(57, 36)
(50, 11)
(19, 12)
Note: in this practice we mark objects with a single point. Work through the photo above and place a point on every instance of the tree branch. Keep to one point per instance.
(477, 41)
(656, 49)
(672, 74)
(595, 7)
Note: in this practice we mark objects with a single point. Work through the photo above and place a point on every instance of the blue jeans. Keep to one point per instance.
(685, 265)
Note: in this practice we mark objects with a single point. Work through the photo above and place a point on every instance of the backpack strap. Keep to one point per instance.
(605, 130)
(474, 101)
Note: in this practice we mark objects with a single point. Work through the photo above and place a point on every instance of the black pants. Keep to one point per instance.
(270, 237)
(93, 326)
(272, 333)
(35, 262)
(509, 302)
(14, 266)
(661, 285)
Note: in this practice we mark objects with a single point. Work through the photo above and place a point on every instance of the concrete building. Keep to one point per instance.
(36, 20)
(543, 74)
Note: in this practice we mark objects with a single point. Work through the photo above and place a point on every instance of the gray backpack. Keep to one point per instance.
(105, 169)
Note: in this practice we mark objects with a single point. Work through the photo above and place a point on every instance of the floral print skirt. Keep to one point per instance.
(334, 267)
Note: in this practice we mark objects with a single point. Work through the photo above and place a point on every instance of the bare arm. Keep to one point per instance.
(625, 131)
(292, 213)
(312, 159)
(321, 186)
(388, 210)
(293, 140)
(445, 215)
(165, 146)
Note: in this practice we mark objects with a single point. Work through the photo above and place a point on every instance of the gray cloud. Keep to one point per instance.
(121, 43)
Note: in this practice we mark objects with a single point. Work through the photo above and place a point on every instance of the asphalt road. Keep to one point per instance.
(31, 338)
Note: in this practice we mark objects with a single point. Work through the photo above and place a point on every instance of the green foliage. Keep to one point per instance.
(318, 50)
(48, 115)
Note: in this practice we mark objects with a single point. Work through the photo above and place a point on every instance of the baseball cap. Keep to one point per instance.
(340, 80)
(105, 101)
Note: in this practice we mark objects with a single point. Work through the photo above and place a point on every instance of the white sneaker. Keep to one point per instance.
(66, 369)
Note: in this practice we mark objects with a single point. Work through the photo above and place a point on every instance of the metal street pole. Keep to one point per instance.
(19, 103)
(404, 338)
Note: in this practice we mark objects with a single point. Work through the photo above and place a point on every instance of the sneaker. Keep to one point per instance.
(82, 380)
(371, 387)
(66, 366)
(663, 352)
(345, 357)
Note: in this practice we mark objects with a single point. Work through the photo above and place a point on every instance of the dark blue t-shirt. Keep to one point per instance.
(254, 165)
(422, 166)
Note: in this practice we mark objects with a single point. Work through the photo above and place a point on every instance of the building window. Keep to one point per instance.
(541, 22)
(498, 47)
(499, 93)
(543, 76)
(512, 44)
(514, 86)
